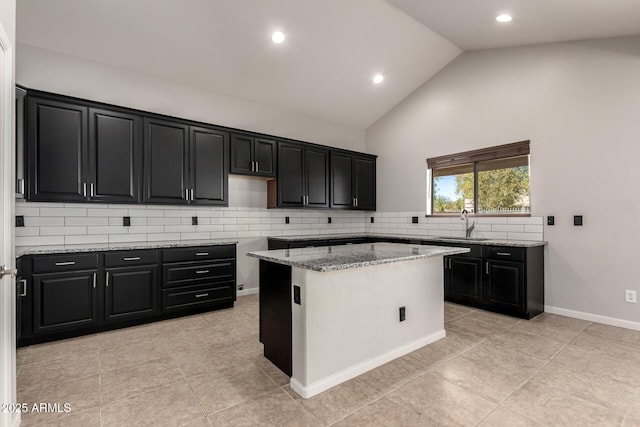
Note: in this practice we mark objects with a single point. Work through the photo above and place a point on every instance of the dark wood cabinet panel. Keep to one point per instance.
(252, 155)
(64, 301)
(291, 183)
(341, 181)
(353, 181)
(505, 284)
(165, 161)
(56, 150)
(316, 163)
(115, 156)
(463, 279)
(365, 183)
(131, 292)
(209, 166)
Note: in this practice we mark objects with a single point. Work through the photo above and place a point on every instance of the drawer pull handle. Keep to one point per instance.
(202, 253)
(94, 280)
(106, 279)
(131, 258)
(65, 263)
(202, 271)
(503, 253)
(202, 295)
(487, 268)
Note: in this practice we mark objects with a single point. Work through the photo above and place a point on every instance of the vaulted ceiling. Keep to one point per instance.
(332, 49)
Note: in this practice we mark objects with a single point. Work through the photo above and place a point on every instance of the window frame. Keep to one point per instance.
(515, 149)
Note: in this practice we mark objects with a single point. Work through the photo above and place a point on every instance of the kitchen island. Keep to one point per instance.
(328, 314)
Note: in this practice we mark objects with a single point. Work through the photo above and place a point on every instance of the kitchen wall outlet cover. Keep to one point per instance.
(630, 296)
(126, 221)
(551, 220)
(296, 294)
(403, 314)
(371, 220)
(194, 220)
(329, 220)
(19, 221)
(577, 220)
(414, 219)
(286, 220)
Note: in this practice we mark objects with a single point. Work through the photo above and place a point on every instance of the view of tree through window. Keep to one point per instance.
(496, 187)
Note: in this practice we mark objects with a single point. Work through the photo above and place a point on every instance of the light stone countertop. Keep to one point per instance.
(43, 250)
(333, 258)
(440, 239)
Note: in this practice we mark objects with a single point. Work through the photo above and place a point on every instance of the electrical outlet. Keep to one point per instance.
(126, 221)
(403, 313)
(371, 220)
(551, 220)
(194, 220)
(329, 220)
(414, 219)
(241, 286)
(630, 296)
(286, 220)
(19, 220)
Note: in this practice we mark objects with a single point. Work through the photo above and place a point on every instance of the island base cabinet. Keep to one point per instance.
(63, 301)
(193, 296)
(130, 292)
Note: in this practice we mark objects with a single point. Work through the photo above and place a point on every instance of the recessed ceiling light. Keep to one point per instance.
(277, 37)
(378, 78)
(504, 18)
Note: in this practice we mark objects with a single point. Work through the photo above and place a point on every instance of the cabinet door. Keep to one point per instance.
(241, 154)
(341, 181)
(365, 183)
(64, 301)
(115, 156)
(505, 285)
(56, 144)
(209, 173)
(316, 165)
(131, 292)
(463, 280)
(165, 161)
(264, 155)
(291, 188)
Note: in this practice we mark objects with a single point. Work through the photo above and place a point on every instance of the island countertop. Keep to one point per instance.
(333, 258)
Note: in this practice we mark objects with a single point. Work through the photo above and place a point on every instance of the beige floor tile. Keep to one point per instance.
(171, 405)
(224, 389)
(126, 336)
(634, 408)
(501, 417)
(453, 311)
(35, 376)
(384, 412)
(197, 361)
(631, 422)
(392, 375)
(551, 406)
(180, 324)
(612, 332)
(609, 347)
(498, 320)
(478, 327)
(89, 418)
(274, 408)
(61, 349)
(200, 422)
(132, 353)
(337, 402)
(453, 344)
(131, 380)
(560, 322)
(271, 370)
(442, 402)
(80, 394)
(539, 328)
(538, 346)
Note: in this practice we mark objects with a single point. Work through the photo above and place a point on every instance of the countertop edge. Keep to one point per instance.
(439, 239)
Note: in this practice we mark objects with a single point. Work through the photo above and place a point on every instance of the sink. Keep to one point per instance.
(469, 239)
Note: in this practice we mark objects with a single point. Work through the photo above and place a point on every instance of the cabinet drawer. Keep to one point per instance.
(196, 295)
(504, 252)
(50, 264)
(179, 274)
(126, 258)
(198, 253)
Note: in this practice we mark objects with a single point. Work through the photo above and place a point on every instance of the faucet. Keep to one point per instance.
(468, 228)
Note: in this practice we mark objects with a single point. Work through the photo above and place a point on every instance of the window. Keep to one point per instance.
(490, 181)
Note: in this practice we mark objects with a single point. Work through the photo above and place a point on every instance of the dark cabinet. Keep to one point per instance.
(56, 150)
(185, 164)
(251, 155)
(115, 156)
(505, 284)
(463, 279)
(303, 175)
(353, 183)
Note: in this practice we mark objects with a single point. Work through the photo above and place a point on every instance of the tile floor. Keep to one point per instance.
(207, 370)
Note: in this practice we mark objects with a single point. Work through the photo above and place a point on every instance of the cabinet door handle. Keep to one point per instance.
(192, 194)
(84, 189)
(253, 166)
(202, 295)
(59, 264)
(106, 280)
(356, 202)
(186, 194)
(487, 268)
(131, 258)
(202, 253)
(94, 280)
(257, 166)
(503, 253)
(20, 186)
(23, 282)
(202, 271)
(92, 189)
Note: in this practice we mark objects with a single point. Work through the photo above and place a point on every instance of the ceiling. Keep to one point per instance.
(332, 50)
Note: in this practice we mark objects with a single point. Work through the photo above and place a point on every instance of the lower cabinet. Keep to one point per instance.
(65, 295)
(505, 284)
(463, 279)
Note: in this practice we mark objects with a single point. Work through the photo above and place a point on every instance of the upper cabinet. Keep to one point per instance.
(251, 155)
(185, 164)
(303, 175)
(353, 181)
(78, 154)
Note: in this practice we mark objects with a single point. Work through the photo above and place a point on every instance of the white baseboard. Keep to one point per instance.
(611, 321)
(360, 368)
(249, 291)
(16, 419)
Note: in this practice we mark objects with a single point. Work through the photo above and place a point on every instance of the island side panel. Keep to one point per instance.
(275, 314)
(348, 320)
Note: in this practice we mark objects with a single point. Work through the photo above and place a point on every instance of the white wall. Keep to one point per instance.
(579, 104)
(54, 72)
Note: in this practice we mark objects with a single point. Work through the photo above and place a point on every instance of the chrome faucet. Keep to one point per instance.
(468, 228)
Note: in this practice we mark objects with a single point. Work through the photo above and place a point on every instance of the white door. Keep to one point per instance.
(7, 258)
